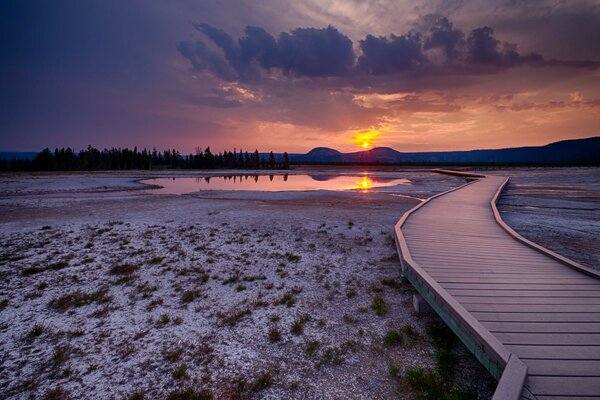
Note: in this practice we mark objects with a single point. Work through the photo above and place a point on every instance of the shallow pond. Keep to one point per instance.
(273, 183)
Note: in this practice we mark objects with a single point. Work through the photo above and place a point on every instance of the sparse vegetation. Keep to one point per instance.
(155, 260)
(137, 396)
(292, 257)
(378, 305)
(190, 394)
(232, 318)
(274, 334)
(164, 319)
(60, 355)
(173, 355)
(79, 299)
(287, 299)
(190, 295)
(123, 269)
(312, 346)
(180, 372)
(394, 284)
(37, 330)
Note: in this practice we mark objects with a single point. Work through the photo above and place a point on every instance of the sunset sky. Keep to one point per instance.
(293, 75)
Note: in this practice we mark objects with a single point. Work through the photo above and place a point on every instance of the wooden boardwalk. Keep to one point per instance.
(530, 316)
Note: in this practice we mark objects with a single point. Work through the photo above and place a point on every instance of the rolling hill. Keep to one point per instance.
(576, 151)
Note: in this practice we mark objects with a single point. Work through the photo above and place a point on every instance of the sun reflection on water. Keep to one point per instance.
(364, 184)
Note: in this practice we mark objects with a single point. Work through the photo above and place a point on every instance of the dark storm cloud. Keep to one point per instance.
(484, 48)
(307, 52)
(316, 52)
(443, 35)
(382, 55)
(312, 52)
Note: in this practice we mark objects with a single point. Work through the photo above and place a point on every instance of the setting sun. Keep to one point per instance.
(365, 138)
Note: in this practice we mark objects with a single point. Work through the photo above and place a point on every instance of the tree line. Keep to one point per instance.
(92, 159)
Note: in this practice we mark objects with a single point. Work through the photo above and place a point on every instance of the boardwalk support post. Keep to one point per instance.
(420, 305)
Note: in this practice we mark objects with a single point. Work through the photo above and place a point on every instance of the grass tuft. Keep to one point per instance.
(378, 305)
(79, 299)
(190, 394)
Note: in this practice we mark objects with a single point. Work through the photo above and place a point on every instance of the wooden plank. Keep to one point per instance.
(543, 327)
(563, 367)
(535, 308)
(554, 353)
(526, 300)
(540, 317)
(520, 293)
(564, 385)
(575, 339)
(520, 286)
(509, 281)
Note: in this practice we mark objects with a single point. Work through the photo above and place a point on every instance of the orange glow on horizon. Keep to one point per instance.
(365, 138)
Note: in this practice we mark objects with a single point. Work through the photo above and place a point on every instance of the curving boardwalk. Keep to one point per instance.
(530, 316)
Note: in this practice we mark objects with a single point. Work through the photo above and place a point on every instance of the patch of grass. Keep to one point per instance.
(180, 372)
(137, 396)
(262, 382)
(331, 356)
(443, 340)
(274, 335)
(311, 347)
(297, 327)
(350, 293)
(164, 320)
(234, 317)
(190, 394)
(378, 305)
(79, 299)
(240, 288)
(231, 279)
(391, 258)
(123, 269)
(429, 384)
(37, 330)
(406, 335)
(287, 299)
(349, 319)
(260, 303)
(298, 324)
(393, 338)
(394, 284)
(173, 355)
(58, 265)
(57, 393)
(32, 270)
(274, 318)
(60, 355)
(190, 295)
(155, 260)
(293, 257)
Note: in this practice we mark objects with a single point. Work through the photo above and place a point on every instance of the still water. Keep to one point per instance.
(273, 183)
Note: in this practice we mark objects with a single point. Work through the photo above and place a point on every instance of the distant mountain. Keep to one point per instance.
(576, 151)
